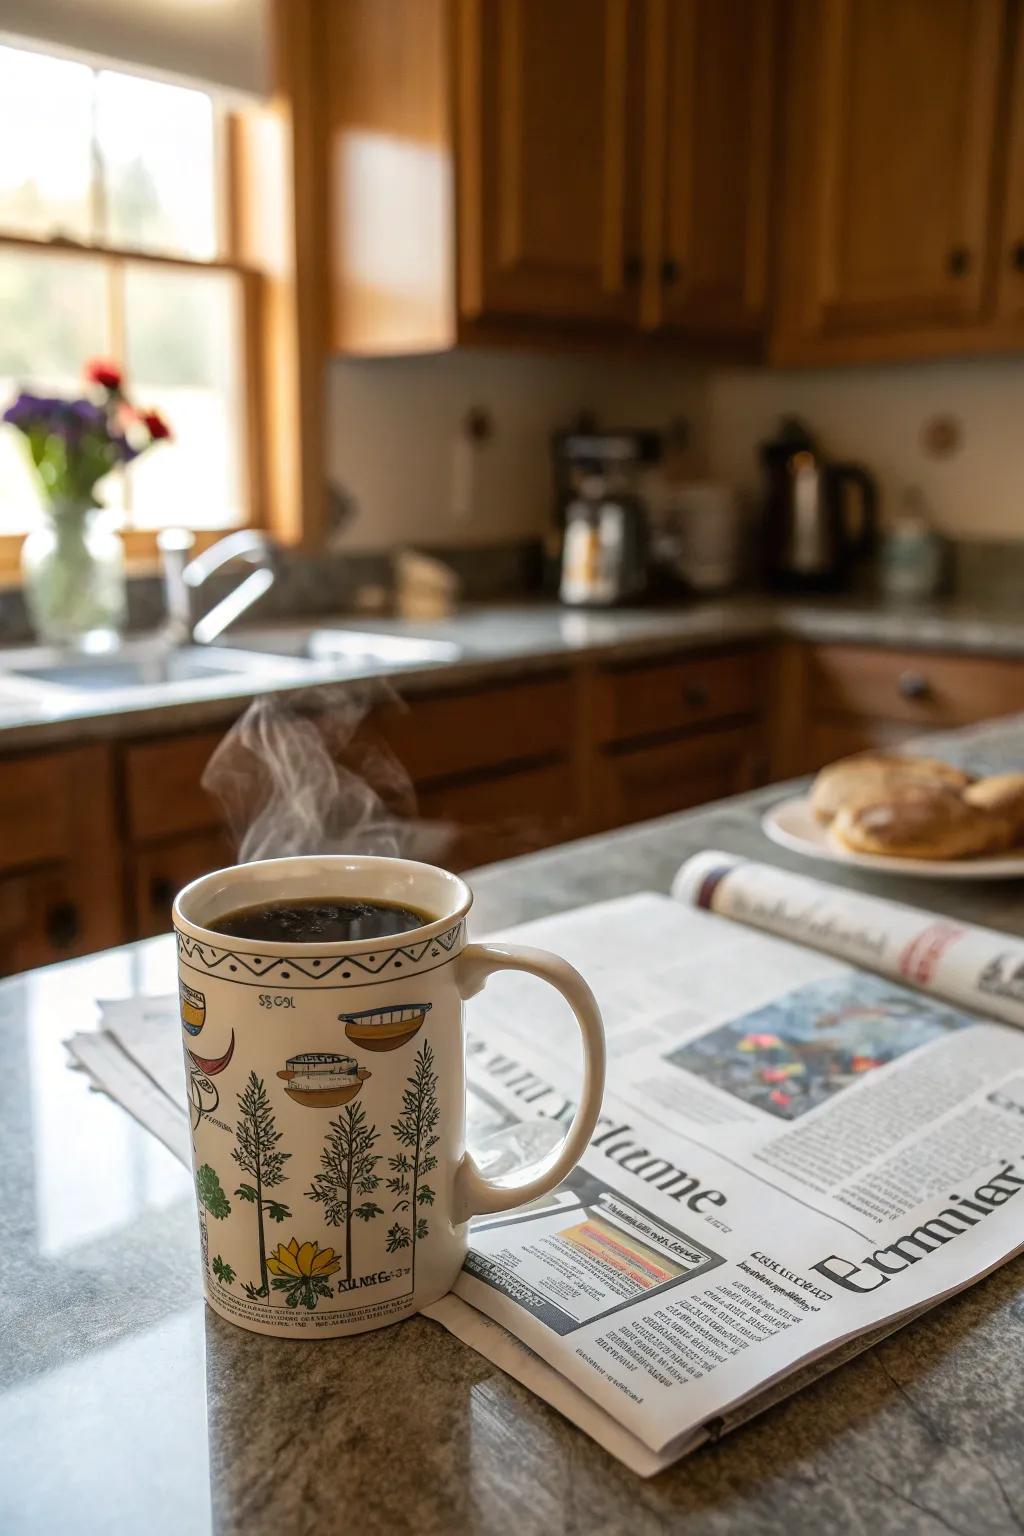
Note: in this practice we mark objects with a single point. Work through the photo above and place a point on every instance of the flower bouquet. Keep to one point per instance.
(73, 567)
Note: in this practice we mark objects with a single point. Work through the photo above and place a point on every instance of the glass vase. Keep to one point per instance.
(74, 583)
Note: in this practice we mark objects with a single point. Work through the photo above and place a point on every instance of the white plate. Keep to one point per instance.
(791, 824)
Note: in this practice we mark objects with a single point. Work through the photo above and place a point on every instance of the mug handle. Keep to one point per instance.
(475, 1195)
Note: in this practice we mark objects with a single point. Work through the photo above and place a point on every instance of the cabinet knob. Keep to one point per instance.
(959, 261)
(1017, 256)
(670, 271)
(632, 269)
(62, 924)
(695, 695)
(914, 685)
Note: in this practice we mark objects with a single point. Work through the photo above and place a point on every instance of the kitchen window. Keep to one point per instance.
(114, 242)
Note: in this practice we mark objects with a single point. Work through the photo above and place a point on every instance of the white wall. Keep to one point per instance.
(392, 424)
(876, 415)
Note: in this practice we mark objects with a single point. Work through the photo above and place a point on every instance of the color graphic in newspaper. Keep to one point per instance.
(799, 1050)
(583, 1254)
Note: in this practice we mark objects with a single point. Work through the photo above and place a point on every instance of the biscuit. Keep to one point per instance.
(849, 780)
(1002, 794)
(921, 821)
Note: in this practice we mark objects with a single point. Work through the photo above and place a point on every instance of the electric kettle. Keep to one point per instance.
(819, 518)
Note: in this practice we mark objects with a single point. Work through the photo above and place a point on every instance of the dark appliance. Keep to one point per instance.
(819, 518)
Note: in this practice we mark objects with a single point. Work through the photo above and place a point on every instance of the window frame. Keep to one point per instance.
(140, 544)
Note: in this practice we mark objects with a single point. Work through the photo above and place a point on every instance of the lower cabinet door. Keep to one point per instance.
(498, 817)
(159, 872)
(675, 775)
(48, 914)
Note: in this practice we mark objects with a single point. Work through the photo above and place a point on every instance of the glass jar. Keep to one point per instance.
(73, 573)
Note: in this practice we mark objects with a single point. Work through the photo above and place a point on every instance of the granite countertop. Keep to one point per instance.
(498, 640)
(127, 1406)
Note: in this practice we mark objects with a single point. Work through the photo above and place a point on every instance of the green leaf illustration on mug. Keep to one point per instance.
(225, 1274)
(211, 1193)
(416, 1130)
(347, 1171)
(257, 1154)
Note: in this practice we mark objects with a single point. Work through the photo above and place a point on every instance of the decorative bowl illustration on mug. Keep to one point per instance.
(384, 1029)
(322, 1080)
(193, 1008)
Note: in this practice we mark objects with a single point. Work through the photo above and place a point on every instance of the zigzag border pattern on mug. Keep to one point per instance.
(317, 968)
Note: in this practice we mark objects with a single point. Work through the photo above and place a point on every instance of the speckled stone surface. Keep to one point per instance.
(126, 1407)
(503, 640)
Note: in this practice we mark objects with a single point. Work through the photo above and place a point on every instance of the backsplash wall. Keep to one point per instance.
(392, 424)
(876, 416)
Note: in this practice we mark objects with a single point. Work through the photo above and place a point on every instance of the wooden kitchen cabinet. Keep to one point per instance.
(636, 783)
(547, 151)
(851, 698)
(60, 860)
(158, 873)
(1010, 244)
(890, 199)
(546, 170)
(710, 116)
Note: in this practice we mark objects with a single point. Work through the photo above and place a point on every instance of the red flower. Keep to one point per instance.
(155, 425)
(103, 372)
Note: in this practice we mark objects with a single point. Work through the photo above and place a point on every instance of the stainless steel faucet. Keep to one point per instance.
(182, 577)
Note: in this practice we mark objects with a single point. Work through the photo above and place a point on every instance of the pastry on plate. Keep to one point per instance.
(870, 774)
(1002, 794)
(921, 821)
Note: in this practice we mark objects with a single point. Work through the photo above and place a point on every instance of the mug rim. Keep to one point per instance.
(217, 880)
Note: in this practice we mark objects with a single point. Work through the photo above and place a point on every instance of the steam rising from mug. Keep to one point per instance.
(301, 776)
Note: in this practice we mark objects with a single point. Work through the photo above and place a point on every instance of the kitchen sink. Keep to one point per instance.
(359, 648)
(141, 664)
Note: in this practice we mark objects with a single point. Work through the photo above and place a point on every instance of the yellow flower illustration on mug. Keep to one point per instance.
(301, 1272)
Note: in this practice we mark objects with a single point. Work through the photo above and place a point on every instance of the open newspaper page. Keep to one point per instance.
(793, 1153)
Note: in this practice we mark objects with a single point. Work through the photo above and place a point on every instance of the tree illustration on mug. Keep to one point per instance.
(257, 1154)
(416, 1130)
(348, 1170)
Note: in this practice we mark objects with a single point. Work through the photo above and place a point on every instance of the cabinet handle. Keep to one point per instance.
(632, 269)
(161, 892)
(1017, 256)
(670, 271)
(62, 924)
(959, 261)
(914, 685)
(695, 695)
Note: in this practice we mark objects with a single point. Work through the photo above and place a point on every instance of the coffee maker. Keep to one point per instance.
(602, 517)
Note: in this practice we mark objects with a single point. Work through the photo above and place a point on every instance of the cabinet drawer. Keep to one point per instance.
(452, 733)
(675, 775)
(36, 798)
(505, 814)
(161, 786)
(912, 686)
(157, 874)
(650, 698)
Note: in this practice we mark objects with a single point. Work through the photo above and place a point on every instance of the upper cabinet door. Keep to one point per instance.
(1010, 250)
(890, 158)
(546, 119)
(710, 73)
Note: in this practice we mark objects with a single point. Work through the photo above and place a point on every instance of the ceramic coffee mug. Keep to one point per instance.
(327, 1096)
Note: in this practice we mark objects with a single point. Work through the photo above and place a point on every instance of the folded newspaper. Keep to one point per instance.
(813, 1130)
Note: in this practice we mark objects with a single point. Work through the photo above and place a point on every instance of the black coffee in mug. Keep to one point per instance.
(317, 920)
